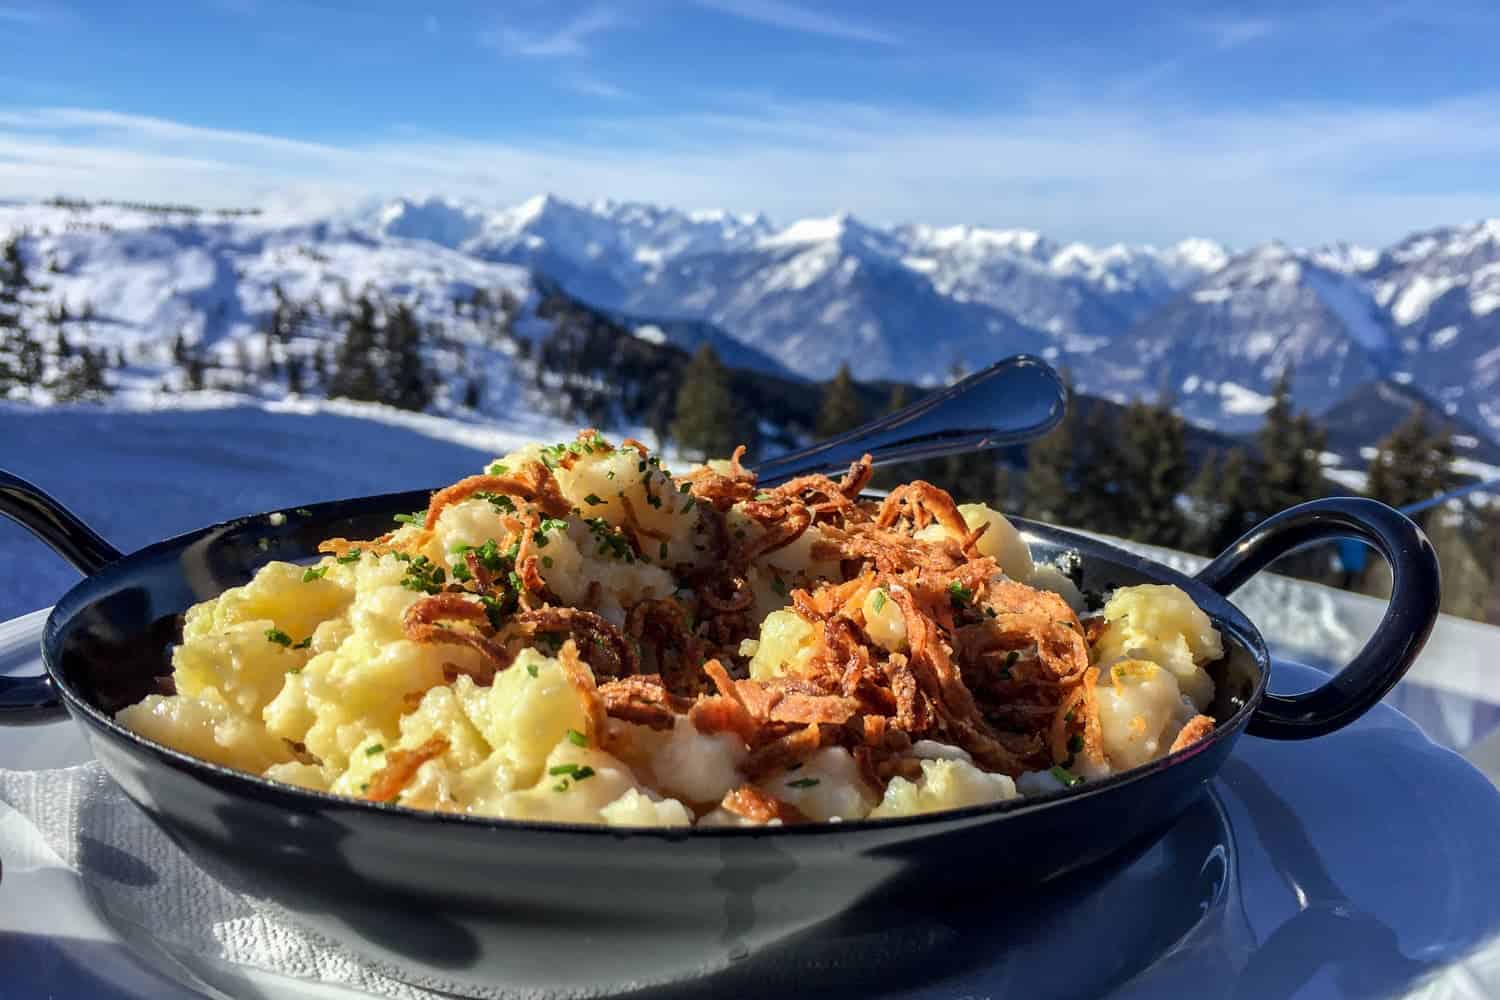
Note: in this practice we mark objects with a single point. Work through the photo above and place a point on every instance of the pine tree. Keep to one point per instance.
(1224, 491)
(1291, 445)
(1151, 472)
(355, 375)
(180, 348)
(63, 349)
(410, 382)
(195, 370)
(320, 367)
(1412, 463)
(242, 360)
(13, 283)
(898, 399)
(474, 392)
(841, 409)
(659, 408)
(82, 379)
(706, 424)
(1050, 461)
(294, 375)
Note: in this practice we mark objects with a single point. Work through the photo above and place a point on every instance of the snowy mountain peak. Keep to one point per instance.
(435, 219)
(843, 233)
(1198, 255)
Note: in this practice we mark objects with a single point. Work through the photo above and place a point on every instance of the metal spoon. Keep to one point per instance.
(1014, 400)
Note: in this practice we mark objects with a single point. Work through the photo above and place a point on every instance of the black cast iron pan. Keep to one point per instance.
(465, 903)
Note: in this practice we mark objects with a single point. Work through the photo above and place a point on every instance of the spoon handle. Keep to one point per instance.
(1014, 400)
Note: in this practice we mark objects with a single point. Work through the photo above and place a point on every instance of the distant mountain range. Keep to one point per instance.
(1211, 327)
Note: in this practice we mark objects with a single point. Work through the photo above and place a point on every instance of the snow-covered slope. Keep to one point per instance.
(1220, 347)
(1442, 291)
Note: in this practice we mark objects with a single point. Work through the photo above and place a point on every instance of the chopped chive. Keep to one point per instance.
(1075, 743)
(1068, 715)
(277, 636)
(365, 787)
(662, 552)
(415, 518)
(577, 739)
(778, 585)
(562, 769)
(314, 573)
(304, 644)
(687, 504)
(497, 469)
(547, 562)
(373, 749)
(583, 772)
(763, 495)
(592, 500)
(1068, 778)
(295, 670)
(351, 556)
(959, 594)
(802, 783)
(561, 786)
(531, 669)
(879, 600)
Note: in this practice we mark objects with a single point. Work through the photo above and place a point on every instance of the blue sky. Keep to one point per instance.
(1148, 121)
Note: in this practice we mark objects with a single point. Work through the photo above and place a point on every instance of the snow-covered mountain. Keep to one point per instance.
(598, 252)
(1441, 289)
(1219, 348)
(909, 303)
(820, 292)
(136, 282)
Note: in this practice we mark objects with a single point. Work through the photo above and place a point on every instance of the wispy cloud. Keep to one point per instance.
(780, 14)
(1098, 170)
(592, 86)
(1232, 32)
(568, 39)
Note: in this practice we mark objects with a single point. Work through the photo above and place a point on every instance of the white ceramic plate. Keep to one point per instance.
(1360, 864)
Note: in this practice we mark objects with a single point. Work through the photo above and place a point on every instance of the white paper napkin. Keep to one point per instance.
(143, 880)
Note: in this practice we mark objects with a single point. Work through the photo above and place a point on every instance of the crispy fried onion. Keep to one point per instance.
(536, 486)
(400, 767)
(643, 700)
(921, 503)
(341, 547)
(581, 679)
(1197, 728)
(607, 651)
(753, 804)
(668, 646)
(426, 621)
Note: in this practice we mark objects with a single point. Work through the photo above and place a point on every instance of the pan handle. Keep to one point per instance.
(25, 700)
(1413, 609)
